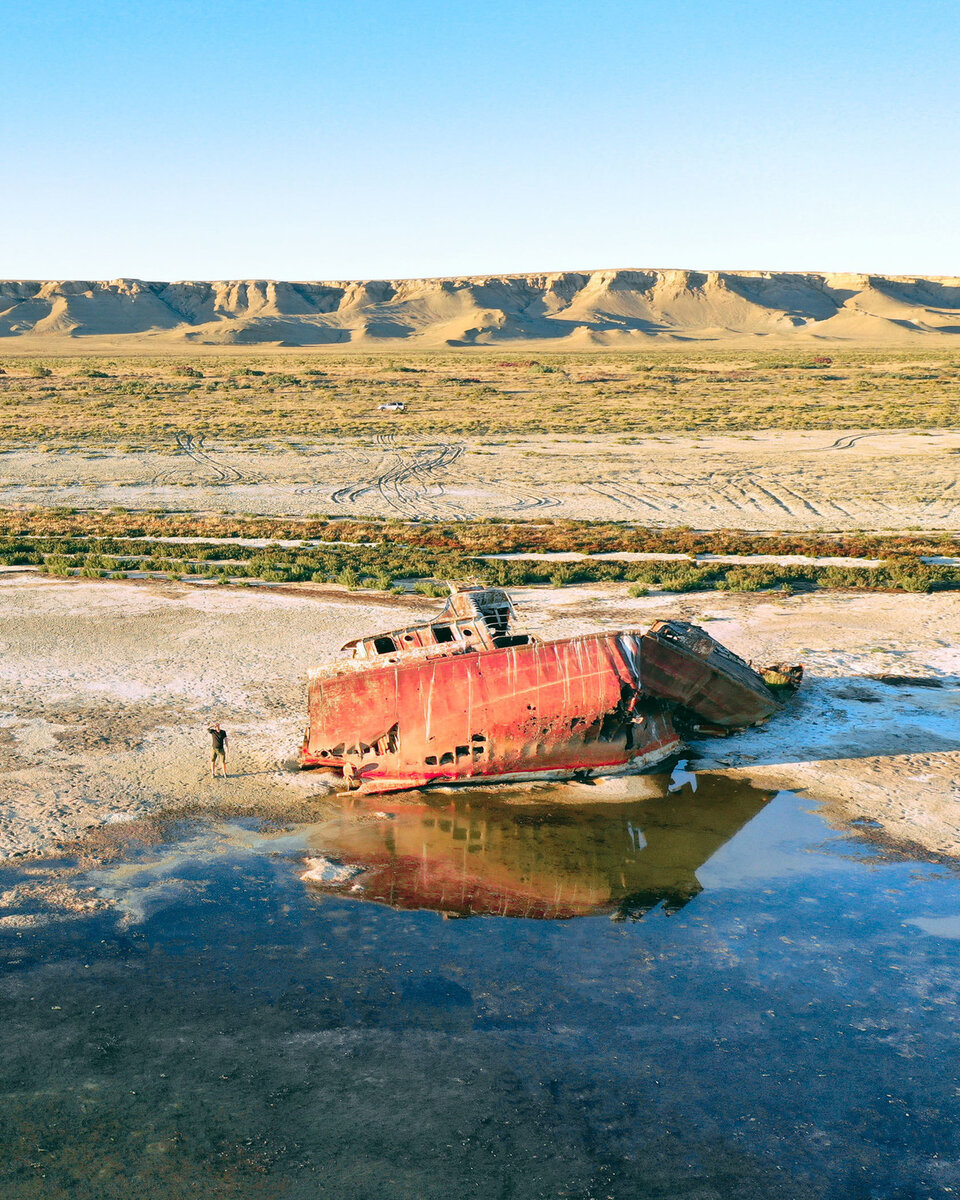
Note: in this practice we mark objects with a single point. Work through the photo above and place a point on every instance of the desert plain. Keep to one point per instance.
(111, 669)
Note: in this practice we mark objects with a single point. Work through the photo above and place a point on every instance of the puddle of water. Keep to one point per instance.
(720, 997)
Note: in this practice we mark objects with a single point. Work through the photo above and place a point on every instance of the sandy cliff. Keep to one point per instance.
(566, 310)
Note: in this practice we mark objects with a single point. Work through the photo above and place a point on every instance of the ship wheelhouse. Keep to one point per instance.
(475, 618)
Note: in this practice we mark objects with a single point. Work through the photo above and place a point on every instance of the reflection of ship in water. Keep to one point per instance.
(556, 862)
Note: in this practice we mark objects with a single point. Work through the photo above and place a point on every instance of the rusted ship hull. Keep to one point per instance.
(686, 668)
(465, 698)
(538, 711)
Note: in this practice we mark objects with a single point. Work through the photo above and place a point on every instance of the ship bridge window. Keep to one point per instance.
(512, 639)
(384, 645)
(467, 632)
(442, 633)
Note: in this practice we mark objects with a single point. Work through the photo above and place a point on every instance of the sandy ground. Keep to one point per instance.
(773, 481)
(107, 689)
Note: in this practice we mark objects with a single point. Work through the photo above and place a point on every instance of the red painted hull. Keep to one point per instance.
(542, 710)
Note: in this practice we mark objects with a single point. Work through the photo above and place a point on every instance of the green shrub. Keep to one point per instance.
(746, 579)
(685, 579)
(429, 588)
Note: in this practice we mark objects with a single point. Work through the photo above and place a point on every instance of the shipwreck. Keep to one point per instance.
(470, 698)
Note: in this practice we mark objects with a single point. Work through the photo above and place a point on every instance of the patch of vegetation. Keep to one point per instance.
(469, 393)
(425, 554)
(494, 536)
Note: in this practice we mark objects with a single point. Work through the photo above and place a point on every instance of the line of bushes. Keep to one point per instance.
(380, 566)
(491, 536)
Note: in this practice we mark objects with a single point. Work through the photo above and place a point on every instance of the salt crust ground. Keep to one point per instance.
(774, 481)
(107, 688)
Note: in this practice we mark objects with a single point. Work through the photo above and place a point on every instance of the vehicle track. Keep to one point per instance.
(850, 439)
(194, 449)
(657, 494)
(358, 458)
(532, 500)
(621, 495)
(405, 482)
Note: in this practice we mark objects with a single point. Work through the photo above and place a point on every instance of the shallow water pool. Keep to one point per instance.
(709, 994)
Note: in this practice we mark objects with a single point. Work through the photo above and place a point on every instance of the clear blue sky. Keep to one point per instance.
(304, 139)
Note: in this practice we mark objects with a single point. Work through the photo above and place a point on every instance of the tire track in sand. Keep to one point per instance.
(193, 447)
(405, 483)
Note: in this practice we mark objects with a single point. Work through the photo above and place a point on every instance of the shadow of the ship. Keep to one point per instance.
(856, 716)
(464, 857)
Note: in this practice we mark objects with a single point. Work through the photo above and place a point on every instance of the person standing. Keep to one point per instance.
(219, 737)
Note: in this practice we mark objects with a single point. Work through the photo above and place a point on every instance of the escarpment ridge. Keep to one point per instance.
(572, 310)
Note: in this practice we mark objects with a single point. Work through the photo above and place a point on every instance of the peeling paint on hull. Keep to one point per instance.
(544, 710)
(648, 757)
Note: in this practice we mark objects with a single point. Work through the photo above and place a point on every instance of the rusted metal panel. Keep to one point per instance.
(682, 664)
(544, 708)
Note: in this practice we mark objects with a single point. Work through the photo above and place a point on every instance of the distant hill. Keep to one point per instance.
(627, 309)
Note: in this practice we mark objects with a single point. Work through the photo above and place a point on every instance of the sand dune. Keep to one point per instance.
(566, 310)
